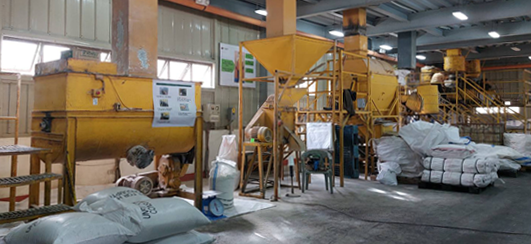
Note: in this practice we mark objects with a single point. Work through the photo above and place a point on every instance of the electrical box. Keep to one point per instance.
(211, 113)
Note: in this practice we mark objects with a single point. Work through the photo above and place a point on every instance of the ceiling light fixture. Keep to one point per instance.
(516, 49)
(460, 15)
(494, 34)
(421, 57)
(337, 33)
(386, 47)
(262, 12)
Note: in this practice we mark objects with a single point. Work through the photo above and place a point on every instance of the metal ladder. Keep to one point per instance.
(15, 181)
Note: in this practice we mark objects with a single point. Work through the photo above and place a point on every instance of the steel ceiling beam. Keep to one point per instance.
(308, 10)
(500, 52)
(476, 13)
(391, 12)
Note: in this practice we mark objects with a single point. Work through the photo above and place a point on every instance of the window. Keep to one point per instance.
(494, 110)
(105, 57)
(52, 52)
(186, 71)
(18, 56)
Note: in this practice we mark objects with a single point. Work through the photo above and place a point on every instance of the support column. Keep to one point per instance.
(135, 37)
(281, 17)
(407, 50)
(2, 13)
(356, 41)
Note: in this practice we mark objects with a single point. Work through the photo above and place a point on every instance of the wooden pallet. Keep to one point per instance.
(525, 168)
(408, 181)
(444, 187)
(508, 173)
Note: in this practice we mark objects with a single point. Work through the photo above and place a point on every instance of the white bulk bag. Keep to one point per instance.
(395, 149)
(422, 136)
(124, 194)
(223, 177)
(519, 142)
(164, 217)
(69, 228)
(191, 237)
(229, 148)
(432, 176)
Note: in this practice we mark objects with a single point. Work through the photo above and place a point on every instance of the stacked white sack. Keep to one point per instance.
(452, 151)
(395, 149)
(469, 165)
(459, 179)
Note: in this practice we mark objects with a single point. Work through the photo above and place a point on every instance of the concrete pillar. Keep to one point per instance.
(2, 13)
(281, 17)
(407, 50)
(135, 37)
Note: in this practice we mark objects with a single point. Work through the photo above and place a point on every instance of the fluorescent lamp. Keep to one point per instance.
(336, 33)
(516, 49)
(460, 15)
(386, 47)
(421, 57)
(529, 57)
(262, 12)
(494, 34)
(507, 103)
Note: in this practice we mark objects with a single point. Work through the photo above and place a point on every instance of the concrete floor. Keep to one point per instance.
(369, 212)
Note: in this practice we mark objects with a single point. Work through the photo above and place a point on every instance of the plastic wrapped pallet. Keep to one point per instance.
(69, 228)
(395, 149)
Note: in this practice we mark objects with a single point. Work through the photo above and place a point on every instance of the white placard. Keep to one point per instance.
(229, 56)
(174, 103)
(319, 136)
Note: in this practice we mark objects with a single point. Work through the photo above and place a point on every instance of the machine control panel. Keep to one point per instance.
(211, 113)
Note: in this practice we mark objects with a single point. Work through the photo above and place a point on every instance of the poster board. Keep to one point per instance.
(229, 70)
(174, 104)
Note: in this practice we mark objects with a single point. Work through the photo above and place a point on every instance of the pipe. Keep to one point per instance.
(516, 66)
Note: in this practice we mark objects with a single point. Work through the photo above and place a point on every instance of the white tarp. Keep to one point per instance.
(395, 149)
(319, 136)
(174, 103)
(486, 150)
(519, 142)
(423, 136)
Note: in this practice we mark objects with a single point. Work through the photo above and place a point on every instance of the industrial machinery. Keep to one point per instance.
(85, 111)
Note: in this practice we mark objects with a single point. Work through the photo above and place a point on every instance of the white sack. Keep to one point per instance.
(469, 165)
(395, 149)
(459, 179)
(124, 194)
(191, 237)
(69, 228)
(452, 151)
(126, 214)
(223, 177)
(164, 217)
(229, 148)
(519, 142)
(422, 136)
(387, 173)
(432, 176)
(431, 163)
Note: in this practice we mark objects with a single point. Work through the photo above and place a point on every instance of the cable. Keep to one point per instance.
(412, 224)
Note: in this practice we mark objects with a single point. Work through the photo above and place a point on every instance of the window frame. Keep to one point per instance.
(189, 70)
